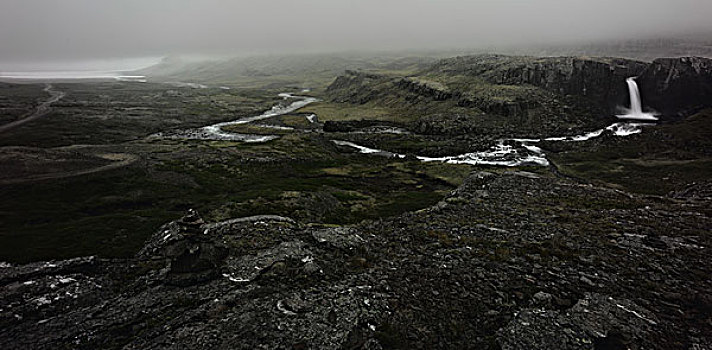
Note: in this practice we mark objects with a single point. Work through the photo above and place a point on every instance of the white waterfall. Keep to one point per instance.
(636, 107)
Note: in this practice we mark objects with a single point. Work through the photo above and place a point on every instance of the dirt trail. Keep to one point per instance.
(41, 110)
(122, 160)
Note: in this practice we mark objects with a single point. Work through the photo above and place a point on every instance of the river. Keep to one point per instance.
(505, 152)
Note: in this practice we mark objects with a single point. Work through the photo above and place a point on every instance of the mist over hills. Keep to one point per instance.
(322, 66)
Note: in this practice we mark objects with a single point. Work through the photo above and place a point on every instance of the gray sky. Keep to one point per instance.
(46, 30)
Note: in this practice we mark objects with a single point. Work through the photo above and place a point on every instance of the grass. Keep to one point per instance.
(74, 217)
(659, 160)
(637, 175)
(295, 121)
(111, 214)
(343, 111)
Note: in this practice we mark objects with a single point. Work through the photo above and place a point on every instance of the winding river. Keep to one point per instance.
(506, 152)
(216, 132)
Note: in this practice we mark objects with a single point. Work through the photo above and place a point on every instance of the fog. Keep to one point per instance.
(51, 30)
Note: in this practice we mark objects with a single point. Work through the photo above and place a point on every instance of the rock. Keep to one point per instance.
(192, 255)
(513, 260)
(677, 87)
(596, 320)
(285, 257)
(436, 91)
(599, 79)
(701, 190)
(338, 237)
(585, 279)
(356, 125)
(542, 299)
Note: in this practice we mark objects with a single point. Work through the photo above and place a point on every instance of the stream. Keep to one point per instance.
(215, 131)
(506, 152)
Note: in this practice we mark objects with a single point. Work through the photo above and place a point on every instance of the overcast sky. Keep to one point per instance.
(32, 30)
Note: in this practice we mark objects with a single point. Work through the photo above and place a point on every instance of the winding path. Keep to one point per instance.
(121, 160)
(215, 132)
(41, 110)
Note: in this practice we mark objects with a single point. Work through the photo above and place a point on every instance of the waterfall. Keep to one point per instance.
(636, 107)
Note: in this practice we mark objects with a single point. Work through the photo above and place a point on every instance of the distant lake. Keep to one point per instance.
(111, 69)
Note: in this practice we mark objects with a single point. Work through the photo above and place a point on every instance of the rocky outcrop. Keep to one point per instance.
(581, 267)
(671, 86)
(601, 80)
(518, 108)
(437, 92)
(359, 88)
(191, 254)
(355, 125)
(677, 86)
(356, 87)
(595, 322)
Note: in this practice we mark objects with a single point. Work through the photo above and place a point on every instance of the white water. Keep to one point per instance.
(275, 111)
(504, 154)
(636, 107)
(215, 132)
(367, 150)
(499, 155)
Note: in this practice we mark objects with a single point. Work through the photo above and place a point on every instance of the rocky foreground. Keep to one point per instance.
(510, 261)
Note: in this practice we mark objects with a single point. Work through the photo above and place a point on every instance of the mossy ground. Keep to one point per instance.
(304, 176)
(299, 176)
(343, 111)
(657, 161)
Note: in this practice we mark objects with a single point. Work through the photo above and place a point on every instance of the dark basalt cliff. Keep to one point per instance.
(671, 86)
(677, 86)
(602, 79)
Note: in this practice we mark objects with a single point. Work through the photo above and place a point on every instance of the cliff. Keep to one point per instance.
(677, 86)
(602, 80)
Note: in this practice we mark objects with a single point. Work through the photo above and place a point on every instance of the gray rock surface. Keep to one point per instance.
(510, 261)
